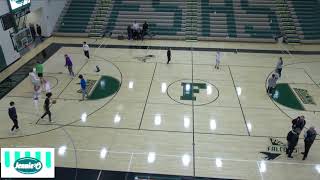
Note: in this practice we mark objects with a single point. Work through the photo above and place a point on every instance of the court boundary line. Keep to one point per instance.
(164, 131)
(198, 157)
(315, 83)
(182, 48)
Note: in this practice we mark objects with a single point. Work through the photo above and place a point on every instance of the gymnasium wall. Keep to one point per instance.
(46, 13)
(43, 12)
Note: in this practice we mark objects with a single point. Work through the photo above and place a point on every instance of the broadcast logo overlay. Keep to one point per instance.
(27, 163)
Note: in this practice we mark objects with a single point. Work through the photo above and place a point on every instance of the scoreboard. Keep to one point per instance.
(18, 5)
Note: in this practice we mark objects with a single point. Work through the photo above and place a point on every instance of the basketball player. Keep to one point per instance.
(218, 59)
(35, 80)
(86, 50)
(46, 107)
(13, 116)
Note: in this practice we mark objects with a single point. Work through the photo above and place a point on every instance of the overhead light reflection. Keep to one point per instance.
(209, 89)
(130, 84)
(249, 125)
(163, 87)
(151, 157)
(84, 117)
(157, 119)
(186, 159)
(103, 84)
(103, 153)
(318, 168)
(188, 87)
(62, 150)
(219, 162)
(186, 121)
(239, 90)
(276, 94)
(117, 118)
(262, 167)
(213, 124)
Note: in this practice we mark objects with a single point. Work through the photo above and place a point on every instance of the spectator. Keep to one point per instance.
(309, 138)
(135, 26)
(145, 29)
(33, 31)
(39, 32)
(299, 123)
(292, 138)
(129, 31)
(136, 29)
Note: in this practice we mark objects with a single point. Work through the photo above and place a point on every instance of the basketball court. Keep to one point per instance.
(184, 118)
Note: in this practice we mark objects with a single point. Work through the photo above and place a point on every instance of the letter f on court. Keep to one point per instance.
(190, 88)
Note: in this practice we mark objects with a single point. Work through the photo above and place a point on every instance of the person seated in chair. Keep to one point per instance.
(129, 31)
(145, 28)
(135, 28)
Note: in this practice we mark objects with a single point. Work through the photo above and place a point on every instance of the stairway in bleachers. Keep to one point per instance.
(192, 20)
(99, 22)
(166, 18)
(288, 27)
(76, 18)
(306, 14)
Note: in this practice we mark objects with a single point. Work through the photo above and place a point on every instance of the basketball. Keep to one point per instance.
(54, 101)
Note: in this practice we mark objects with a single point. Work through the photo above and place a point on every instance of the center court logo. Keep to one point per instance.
(189, 89)
(194, 92)
(27, 163)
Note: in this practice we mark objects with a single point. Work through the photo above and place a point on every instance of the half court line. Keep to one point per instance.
(144, 108)
(235, 88)
(193, 138)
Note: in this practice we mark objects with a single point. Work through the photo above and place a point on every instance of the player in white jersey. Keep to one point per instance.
(36, 82)
(218, 59)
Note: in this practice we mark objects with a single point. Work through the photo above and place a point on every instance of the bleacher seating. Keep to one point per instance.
(307, 18)
(77, 16)
(253, 20)
(165, 18)
(247, 20)
(233, 20)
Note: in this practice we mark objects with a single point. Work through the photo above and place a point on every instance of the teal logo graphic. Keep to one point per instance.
(102, 88)
(28, 165)
(189, 89)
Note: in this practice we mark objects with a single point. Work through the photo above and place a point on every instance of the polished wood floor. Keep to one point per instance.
(147, 127)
